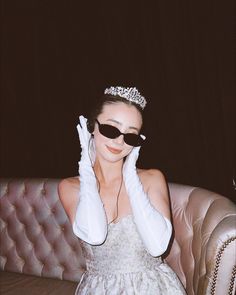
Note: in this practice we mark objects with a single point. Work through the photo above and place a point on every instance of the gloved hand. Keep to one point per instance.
(86, 143)
(90, 222)
(154, 229)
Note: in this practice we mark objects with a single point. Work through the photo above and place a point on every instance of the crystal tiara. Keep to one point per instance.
(129, 93)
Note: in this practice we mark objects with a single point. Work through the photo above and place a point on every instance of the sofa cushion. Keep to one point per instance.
(14, 283)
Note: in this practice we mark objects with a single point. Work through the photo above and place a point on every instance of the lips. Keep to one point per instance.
(114, 151)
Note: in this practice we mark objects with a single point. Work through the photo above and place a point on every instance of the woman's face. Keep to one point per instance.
(124, 117)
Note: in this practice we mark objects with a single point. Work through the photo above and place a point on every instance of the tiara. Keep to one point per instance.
(130, 93)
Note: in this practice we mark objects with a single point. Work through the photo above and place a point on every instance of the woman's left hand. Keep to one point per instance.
(130, 162)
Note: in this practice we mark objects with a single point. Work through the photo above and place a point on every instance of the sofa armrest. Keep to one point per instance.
(214, 228)
(221, 258)
(205, 240)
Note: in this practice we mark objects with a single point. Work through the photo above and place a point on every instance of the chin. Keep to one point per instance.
(113, 158)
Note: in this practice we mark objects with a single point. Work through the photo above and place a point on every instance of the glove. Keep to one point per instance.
(154, 229)
(90, 222)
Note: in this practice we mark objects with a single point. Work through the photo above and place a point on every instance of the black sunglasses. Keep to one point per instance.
(113, 132)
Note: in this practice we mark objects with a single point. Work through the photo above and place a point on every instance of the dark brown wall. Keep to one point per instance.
(58, 56)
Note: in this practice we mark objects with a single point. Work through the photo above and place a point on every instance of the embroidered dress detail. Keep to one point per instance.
(122, 266)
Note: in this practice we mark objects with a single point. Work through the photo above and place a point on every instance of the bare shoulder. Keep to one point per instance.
(68, 190)
(152, 178)
(150, 172)
(69, 183)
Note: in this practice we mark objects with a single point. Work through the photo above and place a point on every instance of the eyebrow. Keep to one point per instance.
(119, 123)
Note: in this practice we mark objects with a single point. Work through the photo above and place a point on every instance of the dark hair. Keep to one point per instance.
(107, 99)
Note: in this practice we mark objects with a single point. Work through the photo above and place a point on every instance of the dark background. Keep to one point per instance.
(58, 56)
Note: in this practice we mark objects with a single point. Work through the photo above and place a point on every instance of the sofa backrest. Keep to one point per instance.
(35, 233)
(36, 236)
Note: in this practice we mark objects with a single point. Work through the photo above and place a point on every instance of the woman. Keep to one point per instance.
(120, 213)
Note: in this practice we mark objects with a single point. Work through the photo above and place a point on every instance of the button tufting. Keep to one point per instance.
(75, 249)
(43, 191)
(21, 259)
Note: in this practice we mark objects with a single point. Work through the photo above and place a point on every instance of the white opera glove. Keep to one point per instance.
(154, 228)
(90, 222)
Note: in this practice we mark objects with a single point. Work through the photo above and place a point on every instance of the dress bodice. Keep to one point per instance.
(123, 251)
(122, 266)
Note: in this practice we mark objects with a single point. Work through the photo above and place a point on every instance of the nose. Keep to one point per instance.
(119, 139)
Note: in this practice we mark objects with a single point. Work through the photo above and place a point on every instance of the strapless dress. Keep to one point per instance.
(122, 266)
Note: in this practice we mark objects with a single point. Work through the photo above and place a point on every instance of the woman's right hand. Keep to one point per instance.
(89, 221)
(86, 142)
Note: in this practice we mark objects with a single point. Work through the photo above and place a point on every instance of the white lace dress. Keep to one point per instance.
(122, 266)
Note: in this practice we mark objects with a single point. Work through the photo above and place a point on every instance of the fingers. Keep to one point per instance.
(135, 152)
(131, 159)
(81, 135)
(83, 122)
(82, 129)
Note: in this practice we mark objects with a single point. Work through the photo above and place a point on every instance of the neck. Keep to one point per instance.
(107, 172)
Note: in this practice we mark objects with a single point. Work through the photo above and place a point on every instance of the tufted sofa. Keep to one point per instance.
(40, 255)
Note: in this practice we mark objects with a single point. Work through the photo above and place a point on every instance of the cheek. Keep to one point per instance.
(127, 151)
(99, 140)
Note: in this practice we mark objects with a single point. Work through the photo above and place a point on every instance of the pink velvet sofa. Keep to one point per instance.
(39, 253)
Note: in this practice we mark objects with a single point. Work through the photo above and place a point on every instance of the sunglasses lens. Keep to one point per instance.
(109, 131)
(133, 139)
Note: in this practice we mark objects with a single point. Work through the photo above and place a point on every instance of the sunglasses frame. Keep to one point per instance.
(140, 140)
